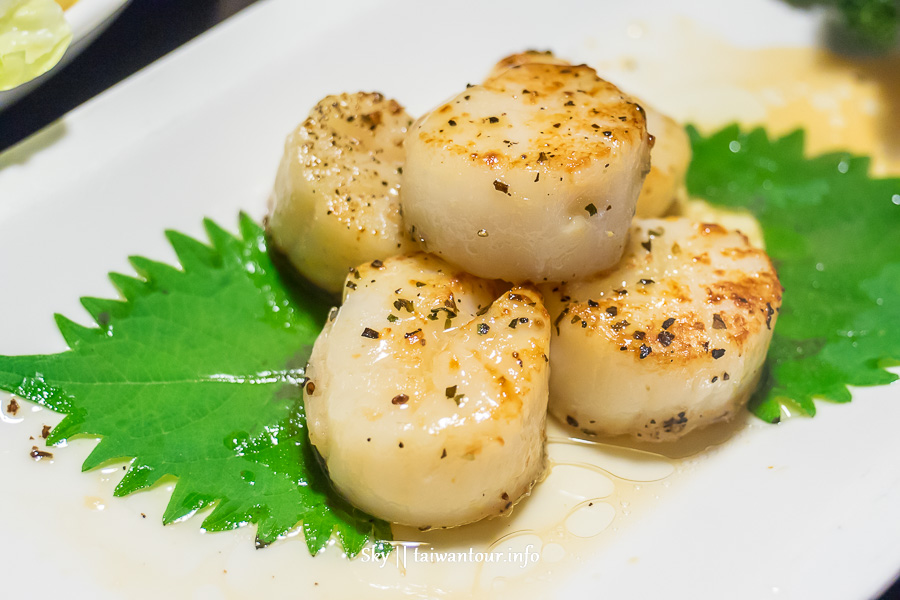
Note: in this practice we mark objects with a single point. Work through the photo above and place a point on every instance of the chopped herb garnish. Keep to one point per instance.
(718, 323)
(370, 333)
(403, 303)
(619, 326)
(665, 338)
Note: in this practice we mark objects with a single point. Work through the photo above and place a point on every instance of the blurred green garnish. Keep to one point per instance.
(860, 25)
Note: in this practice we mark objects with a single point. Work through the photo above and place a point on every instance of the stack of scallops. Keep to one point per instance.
(504, 254)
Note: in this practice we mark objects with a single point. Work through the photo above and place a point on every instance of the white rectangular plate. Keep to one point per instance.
(806, 509)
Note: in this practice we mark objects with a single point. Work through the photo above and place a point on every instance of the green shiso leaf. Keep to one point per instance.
(833, 233)
(197, 374)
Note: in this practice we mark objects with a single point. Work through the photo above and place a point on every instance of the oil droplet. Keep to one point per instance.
(482, 233)
(94, 503)
(590, 519)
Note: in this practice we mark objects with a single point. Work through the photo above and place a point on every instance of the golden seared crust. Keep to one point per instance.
(527, 57)
(531, 176)
(429, 393)
(337, 187)
(368, 129)
(575, 119)
(676, 299)
(673, 338)
(671, 150)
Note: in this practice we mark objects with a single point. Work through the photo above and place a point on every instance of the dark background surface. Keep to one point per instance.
(145, 31)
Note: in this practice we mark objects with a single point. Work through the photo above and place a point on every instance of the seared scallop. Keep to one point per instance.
(532, 175)
(336, 197)
(671, 339)
(670, 157)
(545, 57)
(427, 393)
(670, 153)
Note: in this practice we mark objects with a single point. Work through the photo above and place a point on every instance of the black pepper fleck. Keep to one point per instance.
(665, 338)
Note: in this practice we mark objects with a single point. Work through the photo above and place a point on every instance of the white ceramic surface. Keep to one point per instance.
(806, 509)
(88, 19)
